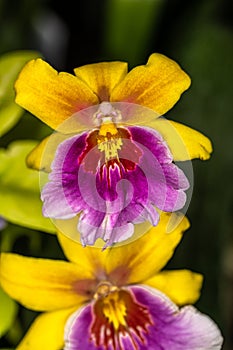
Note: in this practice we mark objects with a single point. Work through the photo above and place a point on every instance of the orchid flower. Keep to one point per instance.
(116, 299)
(112, 158)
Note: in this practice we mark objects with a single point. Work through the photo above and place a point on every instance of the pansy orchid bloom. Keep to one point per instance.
(115, 164)
(114, 299)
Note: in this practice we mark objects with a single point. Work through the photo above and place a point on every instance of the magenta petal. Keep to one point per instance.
(167, 182)
(93, 225)
(174, 328)
(56, 195)
(110, 198)
(152, 141)
(76, 330)
(171, 329)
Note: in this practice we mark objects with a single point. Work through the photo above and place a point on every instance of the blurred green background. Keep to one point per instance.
(198, 35)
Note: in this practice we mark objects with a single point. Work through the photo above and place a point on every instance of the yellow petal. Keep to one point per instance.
(47, 331)
(42, 284)
(34, 158)
(181, 286)
(90, 259)
(41, 157)
(156, 85)
(50, 96)
(141, 259)
(184, 142)
(102, 77)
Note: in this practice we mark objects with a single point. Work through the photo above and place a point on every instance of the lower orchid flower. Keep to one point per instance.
(115, 167)
(118, 299)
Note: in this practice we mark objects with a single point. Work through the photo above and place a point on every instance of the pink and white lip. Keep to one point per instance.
(168, 327)
(111, 198)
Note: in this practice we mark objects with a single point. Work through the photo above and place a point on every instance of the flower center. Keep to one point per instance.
(109, 141)
(109, 147)
(118, 315)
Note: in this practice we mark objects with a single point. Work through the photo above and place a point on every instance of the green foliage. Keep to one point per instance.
(129, 27)
(8, 312)
(10, 66)
(19, 188)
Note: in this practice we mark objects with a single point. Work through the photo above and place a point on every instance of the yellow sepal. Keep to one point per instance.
(51, 97)
(157, 85)
(47, 331)
(184, 142)
(42, 284)
(102, 77)
(146, 256)
(181, 286)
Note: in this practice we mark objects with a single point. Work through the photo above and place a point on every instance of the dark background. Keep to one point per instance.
(199, 36)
